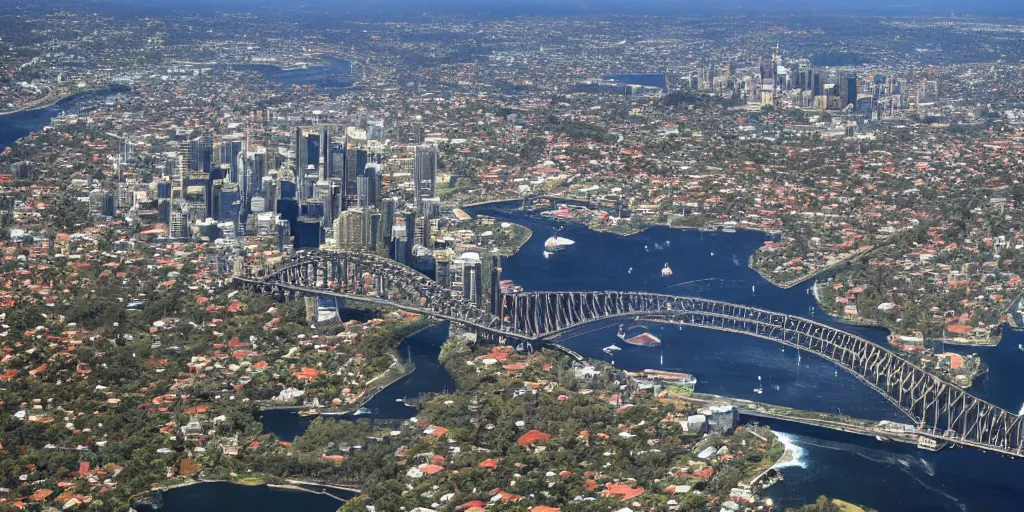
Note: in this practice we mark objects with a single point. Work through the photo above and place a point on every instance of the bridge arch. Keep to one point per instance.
(939, 408)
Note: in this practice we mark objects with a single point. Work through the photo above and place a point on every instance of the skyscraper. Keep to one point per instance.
(301, 158)
(424, 173)
(349, 229)
(495, 295)
(368, 186)
(198, 153)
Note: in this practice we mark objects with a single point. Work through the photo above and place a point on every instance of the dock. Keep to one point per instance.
(881, 431)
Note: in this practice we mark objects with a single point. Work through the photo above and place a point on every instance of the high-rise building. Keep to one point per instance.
(349, 229)
(389, 207)
(410, 235)
(848, 90)
(429, 207)
(368, 186)
(398, 250)
(301, 157)
(443, 267)
(424, 173)
(198, 154)
(495, 295)
(466, 272)
(228, 153)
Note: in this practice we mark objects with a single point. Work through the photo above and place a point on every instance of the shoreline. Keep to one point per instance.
(239, 482)
(365, 399)
(46, 103)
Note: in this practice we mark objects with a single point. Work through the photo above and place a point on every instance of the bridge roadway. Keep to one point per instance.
(940, 409)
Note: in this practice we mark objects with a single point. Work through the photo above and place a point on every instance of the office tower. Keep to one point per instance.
(423, 231)
(472, 285)
(368, 186)
(228, 153)
(409, 221)
(301, 157)
(108, 208)
(178, 225)
(495, 296)
(443, 267)
(197, 154)
(848, 90)
(325, 153)
(372, 229)
(309, 233)
(355, 164)
(388, 208)
(424, 173)
(398, 249)
(429, 207)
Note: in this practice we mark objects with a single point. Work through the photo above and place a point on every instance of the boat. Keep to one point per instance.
(666, 271)
(1020, 346)
(557, 243)
(759, 389)
(613, 347)
(644, 339)
(326, 314)
(630, 271)
(309, 412)
(547, 254)
(362, 411)
(712, 253)
(776, 387)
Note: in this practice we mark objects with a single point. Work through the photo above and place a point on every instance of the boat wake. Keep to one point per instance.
(794, 455)
(912, 466)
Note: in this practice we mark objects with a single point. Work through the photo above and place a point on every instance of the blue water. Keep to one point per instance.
(652, 80)
(220, 496)
(428, 377)
(16, 126)
(885, 476)
(336, 74)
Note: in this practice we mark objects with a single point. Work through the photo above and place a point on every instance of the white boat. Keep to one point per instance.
(712, 253)
(666, 271)
(630, 271)
(613, 347)
(547, 255)
(325, 314)
(557, 243)
(1021, 411)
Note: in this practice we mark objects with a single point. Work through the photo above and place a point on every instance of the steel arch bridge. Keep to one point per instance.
(940, 409)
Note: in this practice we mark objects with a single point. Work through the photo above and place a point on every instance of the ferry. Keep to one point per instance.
(666, 271)
(557, 243)
(309, 412)
(645, 339)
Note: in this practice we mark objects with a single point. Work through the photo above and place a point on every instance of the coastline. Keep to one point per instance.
(244, 482)
(409, 369)
(49, 103)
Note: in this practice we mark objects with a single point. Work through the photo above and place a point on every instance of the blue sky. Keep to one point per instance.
(562, 7)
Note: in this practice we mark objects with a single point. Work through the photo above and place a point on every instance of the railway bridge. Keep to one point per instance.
(939, 408)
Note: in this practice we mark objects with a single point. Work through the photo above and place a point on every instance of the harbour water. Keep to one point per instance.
(224, 496)
(337, 73)
(427, 377)
(884, 476)
(18, 125)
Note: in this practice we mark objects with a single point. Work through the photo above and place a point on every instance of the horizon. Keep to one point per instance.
(574, 8)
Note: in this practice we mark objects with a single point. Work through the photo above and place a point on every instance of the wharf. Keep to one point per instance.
(842, 423)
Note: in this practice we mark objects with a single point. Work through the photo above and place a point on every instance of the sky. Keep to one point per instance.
(568, 7)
